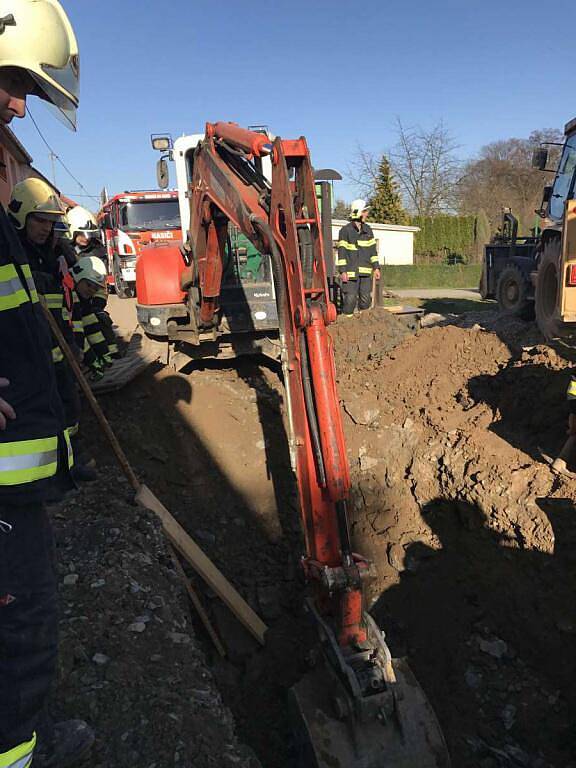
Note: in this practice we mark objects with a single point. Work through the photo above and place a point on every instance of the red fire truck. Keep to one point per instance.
(129, 222)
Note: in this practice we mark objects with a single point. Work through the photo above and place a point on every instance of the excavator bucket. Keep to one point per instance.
(328, 736)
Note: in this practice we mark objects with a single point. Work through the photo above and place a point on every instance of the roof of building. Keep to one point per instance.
(378, 226)
(9, 140)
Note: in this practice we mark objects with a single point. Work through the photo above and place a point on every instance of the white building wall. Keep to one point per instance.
(395, 243)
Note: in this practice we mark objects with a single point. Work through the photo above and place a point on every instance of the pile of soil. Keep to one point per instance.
(368, 335)
(130, 663)
(472, 536)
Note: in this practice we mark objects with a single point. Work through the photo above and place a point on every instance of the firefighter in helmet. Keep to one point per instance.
(38, 56)
(357, 260)
(85, 234)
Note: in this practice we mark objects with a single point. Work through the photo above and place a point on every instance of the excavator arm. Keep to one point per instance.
(357, 705)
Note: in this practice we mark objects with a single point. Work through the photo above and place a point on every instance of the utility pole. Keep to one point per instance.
(52, 157)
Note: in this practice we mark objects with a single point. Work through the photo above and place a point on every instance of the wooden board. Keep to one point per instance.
(403, 309)
(141, 352)
(203, 565)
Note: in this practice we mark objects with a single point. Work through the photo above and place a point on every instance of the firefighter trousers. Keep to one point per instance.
(356, 292)
(28, 620)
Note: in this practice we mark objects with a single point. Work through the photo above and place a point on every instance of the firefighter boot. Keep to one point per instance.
(69, 746)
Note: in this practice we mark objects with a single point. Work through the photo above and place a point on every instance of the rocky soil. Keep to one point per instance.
(472, 537)
(130, 662)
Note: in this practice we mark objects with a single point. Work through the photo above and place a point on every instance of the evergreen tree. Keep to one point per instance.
(341, 210)
(385, 202)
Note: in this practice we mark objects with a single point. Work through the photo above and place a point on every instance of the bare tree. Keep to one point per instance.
(426, 167)
(363, 171)
(502, 176)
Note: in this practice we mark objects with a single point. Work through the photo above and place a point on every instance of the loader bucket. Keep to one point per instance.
(327, 738)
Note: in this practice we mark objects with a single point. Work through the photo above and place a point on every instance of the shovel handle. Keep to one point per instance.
(102, 420)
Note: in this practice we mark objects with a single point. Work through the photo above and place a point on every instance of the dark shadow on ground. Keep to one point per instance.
(185, 475)
(529, 405)
(482, 614)
(455, 306)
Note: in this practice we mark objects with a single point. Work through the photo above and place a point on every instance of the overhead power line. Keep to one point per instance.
(55, 156)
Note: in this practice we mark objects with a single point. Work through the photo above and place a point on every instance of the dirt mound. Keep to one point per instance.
(368, 335)
(130, 663)
(471, 534)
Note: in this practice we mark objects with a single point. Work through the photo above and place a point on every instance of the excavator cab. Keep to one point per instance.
(555, 296)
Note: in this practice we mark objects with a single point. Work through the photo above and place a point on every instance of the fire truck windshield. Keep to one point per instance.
(149, 214)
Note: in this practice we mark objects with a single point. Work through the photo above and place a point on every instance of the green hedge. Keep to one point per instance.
(431, 276)
(444, 235)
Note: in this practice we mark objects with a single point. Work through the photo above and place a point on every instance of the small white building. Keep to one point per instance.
(395, 242)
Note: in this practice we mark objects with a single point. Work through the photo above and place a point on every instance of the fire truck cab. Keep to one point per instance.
(131, 221)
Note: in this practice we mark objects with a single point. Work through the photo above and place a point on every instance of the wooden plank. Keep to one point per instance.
(141, 352)
(202, 564)
(197, 604)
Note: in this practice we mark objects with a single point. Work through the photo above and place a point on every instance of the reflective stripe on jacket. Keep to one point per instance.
(20, 756)
(357, 251)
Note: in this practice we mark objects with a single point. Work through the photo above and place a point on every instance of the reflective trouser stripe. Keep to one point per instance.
(20, 756)
(96, 338)
(365, 270)
(571, 391)
(27, 460)
(69, 449)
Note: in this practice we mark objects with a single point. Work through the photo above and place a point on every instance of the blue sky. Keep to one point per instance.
(337, 72)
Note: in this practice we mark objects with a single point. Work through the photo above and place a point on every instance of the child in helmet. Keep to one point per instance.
(89, 275)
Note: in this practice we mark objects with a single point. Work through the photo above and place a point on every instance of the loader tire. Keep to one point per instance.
(512, 293)
(547, 293)
(483, 285)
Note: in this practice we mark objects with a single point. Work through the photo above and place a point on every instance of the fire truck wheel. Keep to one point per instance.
(123, 290)
(547, 292)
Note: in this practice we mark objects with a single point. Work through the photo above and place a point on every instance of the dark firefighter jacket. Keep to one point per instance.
(94, 248)
(48, 279)
(357, 251)
(34, 447)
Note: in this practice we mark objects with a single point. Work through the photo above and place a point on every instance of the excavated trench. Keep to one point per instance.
(472, 537)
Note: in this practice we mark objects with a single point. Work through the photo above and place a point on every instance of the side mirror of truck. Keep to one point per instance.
(162, 175)
(540, 158)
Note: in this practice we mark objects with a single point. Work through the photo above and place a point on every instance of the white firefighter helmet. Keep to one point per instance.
(81, 220)
(36, 35)
(34, 196)
(357, 208)
(90, 268)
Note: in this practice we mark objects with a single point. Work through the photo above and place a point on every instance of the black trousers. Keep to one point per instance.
(28, 620)
(356, 292)
(68, 391)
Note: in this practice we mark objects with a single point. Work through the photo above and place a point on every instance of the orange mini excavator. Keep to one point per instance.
(358, 707)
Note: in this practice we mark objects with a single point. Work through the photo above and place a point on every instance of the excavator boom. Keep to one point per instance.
(358, 702)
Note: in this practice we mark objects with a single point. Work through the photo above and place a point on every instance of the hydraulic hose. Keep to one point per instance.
(281, 297)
